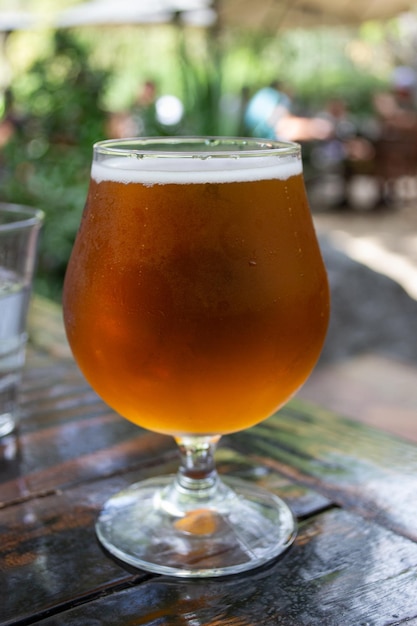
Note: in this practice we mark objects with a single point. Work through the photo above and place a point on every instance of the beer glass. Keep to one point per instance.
(196, 304)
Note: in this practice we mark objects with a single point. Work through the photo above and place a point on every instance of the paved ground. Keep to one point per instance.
(385, 240)
(374, 379)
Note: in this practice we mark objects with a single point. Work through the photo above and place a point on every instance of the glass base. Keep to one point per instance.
(156, 526)
(8, 422)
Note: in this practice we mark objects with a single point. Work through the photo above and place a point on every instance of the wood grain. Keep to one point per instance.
(359, 468)
(341, 570)
(353, 489)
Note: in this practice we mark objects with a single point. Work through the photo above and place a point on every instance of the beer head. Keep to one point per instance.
(192, 160)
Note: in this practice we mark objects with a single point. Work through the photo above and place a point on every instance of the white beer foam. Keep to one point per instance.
(160, 171)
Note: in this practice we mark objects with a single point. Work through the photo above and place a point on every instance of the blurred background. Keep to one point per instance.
(342, 73)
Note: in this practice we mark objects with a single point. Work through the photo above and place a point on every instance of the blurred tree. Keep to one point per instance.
(46, 161)
(61, 96)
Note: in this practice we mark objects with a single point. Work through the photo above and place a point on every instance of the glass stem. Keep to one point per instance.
(197, 471)
(196, 485)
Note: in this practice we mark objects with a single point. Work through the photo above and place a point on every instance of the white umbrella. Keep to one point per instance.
(246, 14)
(16, 20)
(120, 12)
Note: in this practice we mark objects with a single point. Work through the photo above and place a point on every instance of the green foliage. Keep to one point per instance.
(63, 95)
(202, 86)
(46, 164)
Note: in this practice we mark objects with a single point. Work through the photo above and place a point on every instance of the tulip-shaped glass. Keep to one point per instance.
(196, 304)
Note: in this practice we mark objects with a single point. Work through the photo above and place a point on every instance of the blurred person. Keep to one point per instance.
(268, 114)
(265, 109)
(7, 131)
(120, 125)
(140, 119)
(404, 85)
(144, 109)
(346, 152)
(397, 107)
(12, 125)
(396, 144)
(10, 121)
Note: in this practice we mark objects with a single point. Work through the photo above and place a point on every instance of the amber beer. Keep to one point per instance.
(196, 299)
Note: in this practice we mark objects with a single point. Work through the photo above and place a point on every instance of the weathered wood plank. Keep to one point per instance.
(39, 535)
(49, 555)
(358, 467)
(362, 469)
(351, 566)
(342, 570)
(68, 435)
(59, 474)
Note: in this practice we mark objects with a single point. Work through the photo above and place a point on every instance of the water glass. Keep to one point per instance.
(19, 231)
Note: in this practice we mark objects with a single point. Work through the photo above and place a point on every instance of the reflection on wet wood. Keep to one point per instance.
(352, 488)
(341, 570)
(357, 467)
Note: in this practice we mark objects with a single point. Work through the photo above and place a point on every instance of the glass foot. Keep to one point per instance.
(155, 526)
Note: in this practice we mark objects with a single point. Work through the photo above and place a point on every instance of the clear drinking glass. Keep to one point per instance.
(196, 304)
(19, 232)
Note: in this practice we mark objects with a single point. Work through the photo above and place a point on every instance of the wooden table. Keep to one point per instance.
(353, 488)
